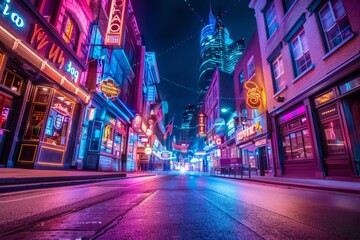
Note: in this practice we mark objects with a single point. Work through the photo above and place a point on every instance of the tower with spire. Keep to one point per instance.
(217, 49)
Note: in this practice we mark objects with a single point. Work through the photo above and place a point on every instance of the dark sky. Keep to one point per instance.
(171, 29)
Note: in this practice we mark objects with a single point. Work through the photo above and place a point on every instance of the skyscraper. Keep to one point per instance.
(217, 49)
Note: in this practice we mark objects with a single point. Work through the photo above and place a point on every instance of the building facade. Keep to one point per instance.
(108, 142)
(43, 91)
(311, 68)
(218, 107)
(253, 129)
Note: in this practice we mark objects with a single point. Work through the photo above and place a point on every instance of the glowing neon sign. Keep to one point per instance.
(249, 131)
(116, 26)
(253, 95)
(74, 73)
(109, 88)
(14, 17)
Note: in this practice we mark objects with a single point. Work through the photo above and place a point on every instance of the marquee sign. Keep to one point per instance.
(250, 131)
(109, 88)
(165, 154)
(253, 95)
(116, 25)
(201, 125)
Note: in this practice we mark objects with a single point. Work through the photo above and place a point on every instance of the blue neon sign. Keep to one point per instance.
(13, 16)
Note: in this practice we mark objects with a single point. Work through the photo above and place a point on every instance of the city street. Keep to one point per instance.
(179, 206)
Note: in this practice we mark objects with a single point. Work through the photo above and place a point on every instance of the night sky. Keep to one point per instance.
(171, 29)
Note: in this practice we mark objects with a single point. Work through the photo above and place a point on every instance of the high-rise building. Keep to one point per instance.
(217, 49)
(185, 129)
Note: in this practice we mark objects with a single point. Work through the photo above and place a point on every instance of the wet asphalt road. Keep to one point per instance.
(179, 206)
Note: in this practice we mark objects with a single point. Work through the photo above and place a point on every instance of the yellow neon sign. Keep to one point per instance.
(253, 95)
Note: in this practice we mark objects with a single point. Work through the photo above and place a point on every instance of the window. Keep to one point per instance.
(296, 141)
(335, 23)
(241, 82)
(333, 139)
(278, 72)
(251, 67)
(301, 53)
(70, 31)
(288, 4)
(49, 10)
(271, 21)
(58, 123)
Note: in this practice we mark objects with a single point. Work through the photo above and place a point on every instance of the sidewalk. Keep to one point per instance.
(320, 184)
(17, 179)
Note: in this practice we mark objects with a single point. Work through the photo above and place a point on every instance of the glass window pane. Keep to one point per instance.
(334, 141)
(286, 147)
(326, 17)
(58, 122)
(107, 140)
(117, 144)
(297, 145)
(307, 144)
(95, 137)
(338, 8)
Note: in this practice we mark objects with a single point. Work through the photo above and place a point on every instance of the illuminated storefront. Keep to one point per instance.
(41, 93)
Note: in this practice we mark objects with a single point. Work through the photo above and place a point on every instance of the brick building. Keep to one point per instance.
(310, 58)
(252, 136)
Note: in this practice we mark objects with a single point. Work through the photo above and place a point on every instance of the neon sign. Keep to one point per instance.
(116, 26)
(249, 131)
(61, 109)
(14, 17)
(201, 125)
(74, 73)
(55, 53)
(109, 88)
(58, 121)
(253, 99)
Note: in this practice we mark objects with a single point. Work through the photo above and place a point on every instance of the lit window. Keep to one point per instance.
(278, 71)
(301, 53)
(271, 21)
(251, 67)
(70, 31)
(335, 23)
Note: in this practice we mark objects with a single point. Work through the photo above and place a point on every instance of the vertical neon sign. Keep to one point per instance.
(116, 26)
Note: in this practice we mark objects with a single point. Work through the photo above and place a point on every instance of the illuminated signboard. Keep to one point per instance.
(249, 131)
(72, 70)
(116, 25)
(109, 88)
(11, 14)
(151, 94)
(201, 125)
(253, 95)
(165, 154)
(148, 150)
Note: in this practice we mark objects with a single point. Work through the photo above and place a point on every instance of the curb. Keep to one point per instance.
(60, 183)
(25, 180)
(299, 185)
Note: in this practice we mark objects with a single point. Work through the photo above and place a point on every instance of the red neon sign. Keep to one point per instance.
(116, 26)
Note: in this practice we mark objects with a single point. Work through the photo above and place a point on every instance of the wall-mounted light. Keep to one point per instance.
(279, 99)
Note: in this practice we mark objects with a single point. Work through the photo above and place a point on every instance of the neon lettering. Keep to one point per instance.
(74, 73)
(14, 17)
(253, 95)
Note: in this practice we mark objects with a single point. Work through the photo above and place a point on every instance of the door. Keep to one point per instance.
(352, 115)
(262, 160)
(5, 123)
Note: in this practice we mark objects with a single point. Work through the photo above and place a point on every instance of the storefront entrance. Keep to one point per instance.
(352, 114)
(6, 103)
(262, 160)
